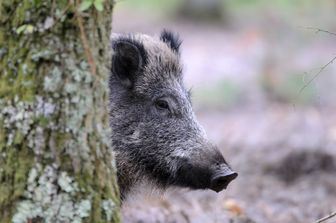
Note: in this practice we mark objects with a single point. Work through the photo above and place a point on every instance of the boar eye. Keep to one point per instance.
(162, 104)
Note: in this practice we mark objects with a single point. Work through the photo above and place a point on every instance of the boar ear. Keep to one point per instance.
(171, 39)
(128, 60)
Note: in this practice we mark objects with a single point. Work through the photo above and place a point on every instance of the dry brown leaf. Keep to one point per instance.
(233, 207)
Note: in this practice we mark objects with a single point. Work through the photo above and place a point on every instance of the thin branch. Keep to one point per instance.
(85, 43)
(318, 30)
(326, 217)
(317, 74)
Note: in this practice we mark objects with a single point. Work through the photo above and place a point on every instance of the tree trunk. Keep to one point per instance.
(56, 162)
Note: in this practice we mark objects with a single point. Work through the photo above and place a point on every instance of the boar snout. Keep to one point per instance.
(204, 169)
(221, 178)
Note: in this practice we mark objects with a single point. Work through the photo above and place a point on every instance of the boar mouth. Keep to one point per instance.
(221, 179)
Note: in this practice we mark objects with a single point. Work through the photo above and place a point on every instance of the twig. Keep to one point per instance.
(326, 217)
(317, 74)
(85, 43)
(317, 30)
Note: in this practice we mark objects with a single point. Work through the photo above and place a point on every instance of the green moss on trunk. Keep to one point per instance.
(56, 163)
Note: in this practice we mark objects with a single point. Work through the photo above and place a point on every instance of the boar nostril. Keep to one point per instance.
(221, 180)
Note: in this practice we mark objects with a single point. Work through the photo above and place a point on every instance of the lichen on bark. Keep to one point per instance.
(56, 163)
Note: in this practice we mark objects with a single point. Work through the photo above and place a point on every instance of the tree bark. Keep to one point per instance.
(56, 162)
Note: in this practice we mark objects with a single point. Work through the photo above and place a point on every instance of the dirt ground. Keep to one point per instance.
(283, 148)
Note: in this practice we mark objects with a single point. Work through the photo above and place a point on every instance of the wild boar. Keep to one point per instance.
(155, 134)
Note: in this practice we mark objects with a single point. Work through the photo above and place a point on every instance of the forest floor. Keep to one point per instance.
(282, 143)
(286, 167)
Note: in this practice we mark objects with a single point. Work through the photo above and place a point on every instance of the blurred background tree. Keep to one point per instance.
(56, 163)
(211, 10)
